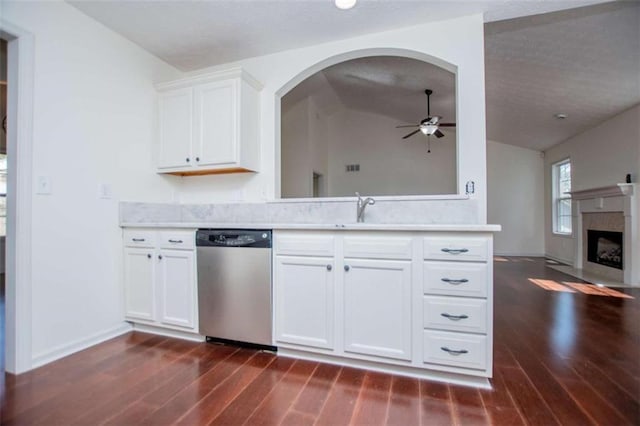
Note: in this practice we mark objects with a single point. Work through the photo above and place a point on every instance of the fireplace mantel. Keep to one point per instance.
(621, 198)
(618, 190)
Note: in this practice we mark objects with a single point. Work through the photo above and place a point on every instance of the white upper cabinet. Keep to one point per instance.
(175, 112)
(209, 124)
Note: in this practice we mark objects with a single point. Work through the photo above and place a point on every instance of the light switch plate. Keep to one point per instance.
(43, 185)
(105, 191)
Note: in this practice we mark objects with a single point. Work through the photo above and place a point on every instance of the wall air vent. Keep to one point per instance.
(353, 167)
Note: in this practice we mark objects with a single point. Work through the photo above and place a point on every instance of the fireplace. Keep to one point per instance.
(605, 248)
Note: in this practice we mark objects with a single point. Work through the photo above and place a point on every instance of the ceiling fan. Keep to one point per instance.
(430, 125)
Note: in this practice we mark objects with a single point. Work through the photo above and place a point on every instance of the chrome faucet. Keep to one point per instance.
(362, 204)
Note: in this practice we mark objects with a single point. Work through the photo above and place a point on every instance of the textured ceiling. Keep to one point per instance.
(196, 34)
(384, 85)
(583, 62)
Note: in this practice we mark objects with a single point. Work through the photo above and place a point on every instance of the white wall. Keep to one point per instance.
(600, 156)
(456, 45)
(93, 123)
(515, 199)
(389, 165)
(304, 147)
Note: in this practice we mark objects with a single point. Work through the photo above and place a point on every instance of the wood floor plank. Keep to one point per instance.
(338, 410)
(468, 407)
(243, 405)
(274, 407)
(436, 407)
(373, 402)
(527, 398)
(404, 405)
(185, 399)
(315, 393)
(296, 418)
(207, 409)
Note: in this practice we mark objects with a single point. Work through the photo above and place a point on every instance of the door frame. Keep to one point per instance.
(18, 284)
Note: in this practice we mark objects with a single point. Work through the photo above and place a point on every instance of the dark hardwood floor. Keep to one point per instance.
(561, 357)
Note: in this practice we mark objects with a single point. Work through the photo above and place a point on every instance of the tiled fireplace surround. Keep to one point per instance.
(612, 208)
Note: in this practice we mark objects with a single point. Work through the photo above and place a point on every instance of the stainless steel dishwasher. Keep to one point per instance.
(234, 285)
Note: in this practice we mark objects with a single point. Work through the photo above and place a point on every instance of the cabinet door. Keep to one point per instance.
(304, 291)
(216, 124)
(175, 115)
(176, 283)
(139, 283)
(377, 308)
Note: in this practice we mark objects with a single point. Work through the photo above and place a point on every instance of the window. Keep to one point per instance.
(561, 177)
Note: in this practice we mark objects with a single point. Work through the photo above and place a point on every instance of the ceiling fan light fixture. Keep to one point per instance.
(345, 4)
(428, 129)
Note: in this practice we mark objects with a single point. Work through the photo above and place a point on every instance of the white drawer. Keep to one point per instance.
(139, 238)
(178, 239)
(455, 314)
(378, 247)
(305, 245)
(456, 248)
(456, 279)
(455, 349)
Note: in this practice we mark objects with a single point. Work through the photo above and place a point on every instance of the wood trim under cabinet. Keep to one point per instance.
(212, 172)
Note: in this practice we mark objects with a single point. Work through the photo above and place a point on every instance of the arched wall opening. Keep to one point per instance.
(382, 87)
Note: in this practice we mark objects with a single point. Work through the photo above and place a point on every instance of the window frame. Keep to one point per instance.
(557, 197)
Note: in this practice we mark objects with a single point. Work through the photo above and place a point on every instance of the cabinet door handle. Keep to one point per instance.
(346, 268)
(148, 256)
(188, 159)
(159, 257)
(137, 240)
(329, 267)
(197, 158)
(454, 282)
(454, 352)
(454, 251)
(454, 317)
(175, 241)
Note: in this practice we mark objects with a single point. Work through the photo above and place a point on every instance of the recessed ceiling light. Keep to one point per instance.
(345, 4)
(560, 116)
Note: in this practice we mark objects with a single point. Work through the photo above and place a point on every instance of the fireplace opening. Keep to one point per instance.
(604, 248)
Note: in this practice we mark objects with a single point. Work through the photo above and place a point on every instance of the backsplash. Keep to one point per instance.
(451, 211)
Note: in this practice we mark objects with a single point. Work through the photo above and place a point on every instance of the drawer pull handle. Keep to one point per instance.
(346, 268)
(454, 282)
(454, 251)
(454, 352)
(454, 317)
(175, 241)
(329, 267)
(148, 256)
(137, 240)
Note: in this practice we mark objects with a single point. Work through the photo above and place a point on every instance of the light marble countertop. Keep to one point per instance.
(321, 226)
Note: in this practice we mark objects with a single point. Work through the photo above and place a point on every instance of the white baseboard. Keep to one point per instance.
(558, 259)
(168, 332)
(519, 254)
(78, 345)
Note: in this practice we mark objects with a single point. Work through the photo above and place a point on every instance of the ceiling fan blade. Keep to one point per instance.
(446, 124)
(438, 134)
(411, 134)
(408, 125)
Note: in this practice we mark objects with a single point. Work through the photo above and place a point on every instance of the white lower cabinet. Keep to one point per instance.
(139, 272)
(176, 279)
(407, 302)
(304, 296)
(160, 283)
(377, 308)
